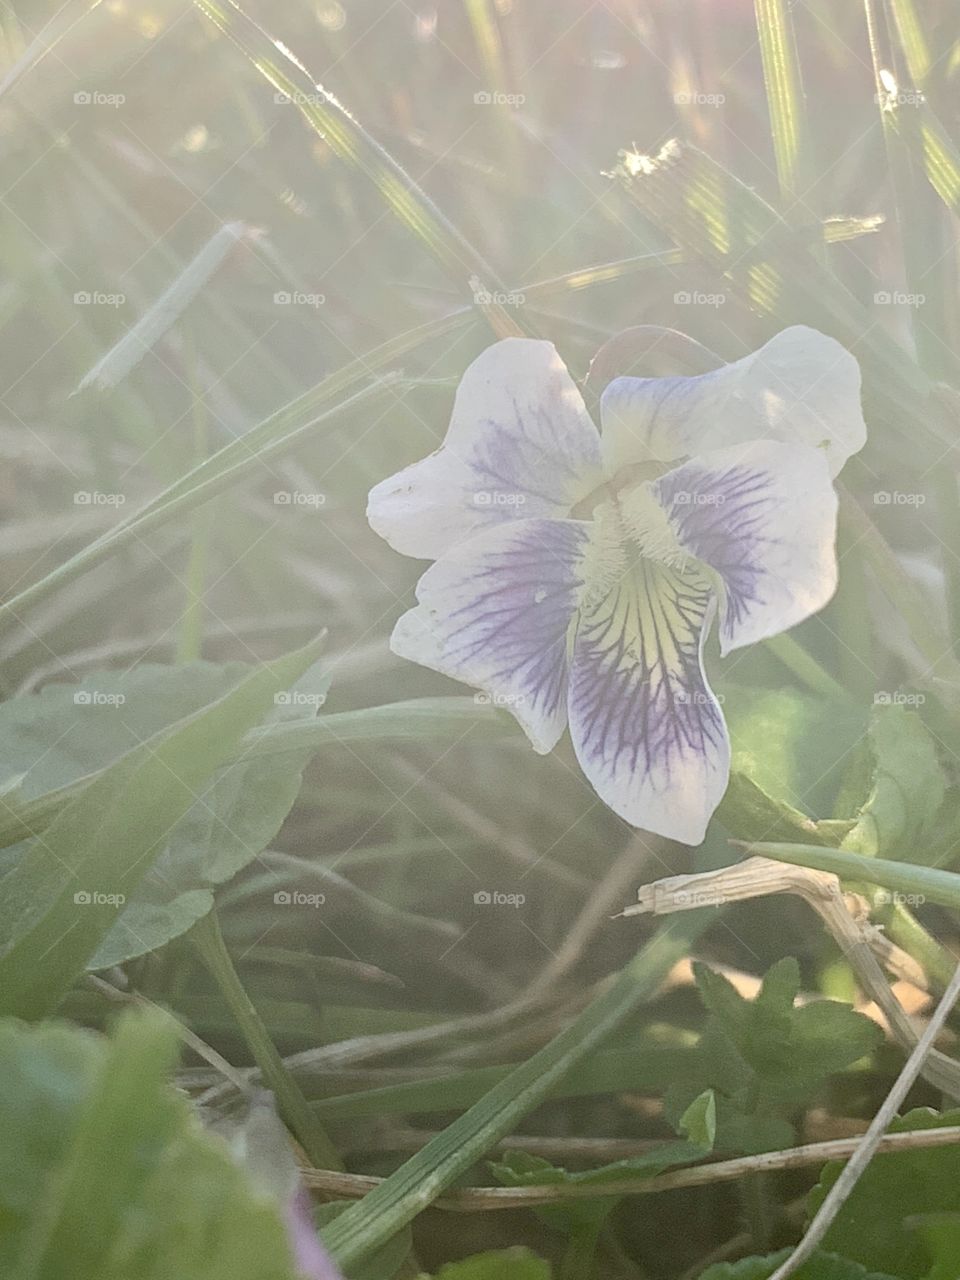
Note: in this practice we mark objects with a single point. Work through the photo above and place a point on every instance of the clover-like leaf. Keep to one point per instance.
(765, 1057)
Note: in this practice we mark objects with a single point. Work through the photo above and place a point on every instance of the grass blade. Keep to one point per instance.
(785, 99)
(926, 883)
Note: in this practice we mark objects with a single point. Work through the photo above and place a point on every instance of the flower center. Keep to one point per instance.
(628, 527)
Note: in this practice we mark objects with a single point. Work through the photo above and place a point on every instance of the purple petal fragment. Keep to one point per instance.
(763, 517)
(520, 445)
(496, 612)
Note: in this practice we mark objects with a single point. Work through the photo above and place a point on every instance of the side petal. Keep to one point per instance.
(802, 387)
(496, 611)
(763, 517)
(520, 445)
(647, 729)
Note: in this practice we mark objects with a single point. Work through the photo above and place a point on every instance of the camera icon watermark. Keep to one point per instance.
(494, 898)
(484, 297)
(898, 298)
(297, 898)
(896, 498)
(299, 498)
(97, 98)
(696, 298)
(97, 698)
(94, 898)
(496, 98)
(498, 498)
(98, 298)
(695, 98)
(294, 698)
(95, 498)
(297, 298)
(898, 698)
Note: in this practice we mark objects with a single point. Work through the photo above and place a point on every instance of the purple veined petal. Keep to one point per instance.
(763, 517)
(802, 387)
(520, 445)
(496, 611)
(646, 727)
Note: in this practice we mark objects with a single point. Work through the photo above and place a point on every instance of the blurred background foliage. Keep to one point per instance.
(131, 134)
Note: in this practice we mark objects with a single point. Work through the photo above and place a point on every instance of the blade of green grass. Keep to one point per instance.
(929, 883)
(785, 100)
(167, 309)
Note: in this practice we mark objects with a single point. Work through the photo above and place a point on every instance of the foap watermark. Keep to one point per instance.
(898, 298)
(696, 98)
(499, 699)
(297, 298)
(297, 698)
(494, 898)
(299, 99)
(484, 297)
(498, 498)
(696, 298)
(898, 698)
(897, 498)
(696, 698)
(297, 898)
(298, 498)
(96, 498)
(691, 898)
(95, 898)
(497, 98)
(98, 698)
(897, 898)
(98, 98)
(692, 498)
(98, 298)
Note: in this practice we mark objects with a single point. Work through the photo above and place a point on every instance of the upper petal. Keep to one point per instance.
(645, 725)
(495, 612)
(520, 444)
(802, 387)
(763, 517)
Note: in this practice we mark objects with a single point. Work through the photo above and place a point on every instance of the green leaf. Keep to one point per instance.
(765, 1057)
(873, 1226)
(908, 785)
(500, 1264)
(68, 888)
(940, 1233)
(105, 1174)
(71, 730)
(822, 1266)
(790, 744)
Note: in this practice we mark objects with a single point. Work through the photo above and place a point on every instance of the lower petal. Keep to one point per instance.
(496, 611)
(647, 729)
